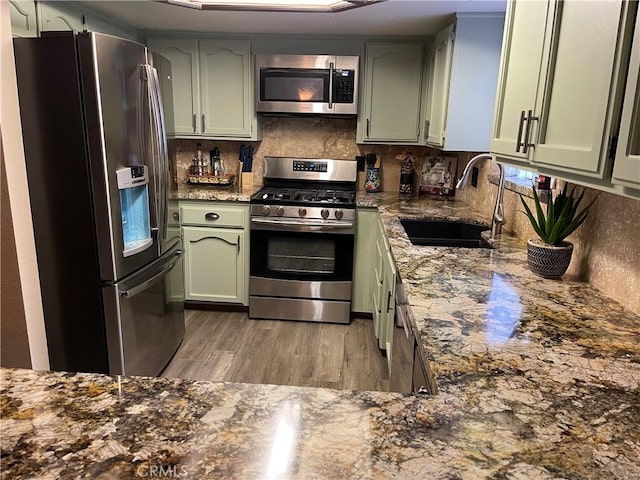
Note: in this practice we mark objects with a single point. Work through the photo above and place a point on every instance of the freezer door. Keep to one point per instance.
(145, 317)
(118, 115)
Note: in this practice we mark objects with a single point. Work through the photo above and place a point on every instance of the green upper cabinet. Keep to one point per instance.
(183, 55)
(560, 91)
(438, 92)
(226, 88)
(212, 87)
(523, 42)
(390, 105)
(57, 15)
(626, 170)
(463, 74)
(23, 18)
(576, 101)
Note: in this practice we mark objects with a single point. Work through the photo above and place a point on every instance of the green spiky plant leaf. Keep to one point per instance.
(562, 217)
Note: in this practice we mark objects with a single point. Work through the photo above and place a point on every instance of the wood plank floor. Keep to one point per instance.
(230, 347)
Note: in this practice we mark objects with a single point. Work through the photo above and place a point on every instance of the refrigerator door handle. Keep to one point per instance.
(161, 161)
(132, 292)
(145, 75)
(164, 157)
(157, 150)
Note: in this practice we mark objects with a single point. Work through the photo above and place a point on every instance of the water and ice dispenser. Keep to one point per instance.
(133, 184)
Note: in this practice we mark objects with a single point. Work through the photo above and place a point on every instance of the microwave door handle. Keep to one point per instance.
(331, 70)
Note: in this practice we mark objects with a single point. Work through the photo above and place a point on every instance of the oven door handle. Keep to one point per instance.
(307, 226)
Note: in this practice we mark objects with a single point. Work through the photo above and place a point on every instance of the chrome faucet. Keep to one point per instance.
(498, 211)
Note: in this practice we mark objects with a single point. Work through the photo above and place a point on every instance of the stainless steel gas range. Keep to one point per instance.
(302, 239)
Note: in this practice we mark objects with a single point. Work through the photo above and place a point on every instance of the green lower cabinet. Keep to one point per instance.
(214, 264)
(374, 278)
(363, 264)
(389, 303)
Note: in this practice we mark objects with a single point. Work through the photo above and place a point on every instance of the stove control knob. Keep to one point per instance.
(266, 210)
(324, 213)
(339, 214)
(279, 211)
(302, 212)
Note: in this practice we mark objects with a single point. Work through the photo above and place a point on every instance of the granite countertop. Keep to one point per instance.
(233, 193)
(538, 379)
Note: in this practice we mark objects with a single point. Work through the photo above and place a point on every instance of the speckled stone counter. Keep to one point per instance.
(548, 370)
(538, 379)
(233, 193)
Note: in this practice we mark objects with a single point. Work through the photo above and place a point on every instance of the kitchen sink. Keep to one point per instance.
(444, 233)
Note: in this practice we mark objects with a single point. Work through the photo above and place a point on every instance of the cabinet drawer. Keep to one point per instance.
(214, 215)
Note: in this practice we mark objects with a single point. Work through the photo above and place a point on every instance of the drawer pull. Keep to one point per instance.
(211, 216)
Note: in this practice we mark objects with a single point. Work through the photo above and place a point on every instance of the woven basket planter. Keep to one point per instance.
(546, 260)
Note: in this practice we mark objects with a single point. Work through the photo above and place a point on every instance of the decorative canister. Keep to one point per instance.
(406, 171)
(372, 180)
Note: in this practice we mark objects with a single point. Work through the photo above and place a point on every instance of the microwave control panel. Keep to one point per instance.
(343, 86)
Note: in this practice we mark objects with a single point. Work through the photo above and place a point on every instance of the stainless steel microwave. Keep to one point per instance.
(315, 84)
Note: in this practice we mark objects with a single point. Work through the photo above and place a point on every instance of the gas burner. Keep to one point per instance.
(283, 194)
(305, 195)
(336, 196)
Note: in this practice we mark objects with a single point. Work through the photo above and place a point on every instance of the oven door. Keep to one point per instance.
(301, 259)
(301, 270)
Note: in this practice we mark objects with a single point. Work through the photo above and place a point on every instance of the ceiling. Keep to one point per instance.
(393, 17)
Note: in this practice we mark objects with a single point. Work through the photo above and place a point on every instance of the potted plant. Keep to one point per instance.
(550, 254)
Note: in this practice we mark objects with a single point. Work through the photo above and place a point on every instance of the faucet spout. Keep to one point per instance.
(497, 220)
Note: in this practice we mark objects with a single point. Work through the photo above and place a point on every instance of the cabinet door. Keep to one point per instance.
(378, 288)
(183, 55)
(439, 87)
(389, 303)
(225, 82)
(626, 170)
(23, 18)
(520, 70)
(393, 82)
(214, 264)
(53, 16)
(576, 97)
(363, 264)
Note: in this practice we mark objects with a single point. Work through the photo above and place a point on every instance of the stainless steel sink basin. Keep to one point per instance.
(444, 233)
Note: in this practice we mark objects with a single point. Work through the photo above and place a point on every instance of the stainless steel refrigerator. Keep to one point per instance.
(98, 157)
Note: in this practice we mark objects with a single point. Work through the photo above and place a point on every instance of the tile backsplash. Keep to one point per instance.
(313, 137)
(606, 248)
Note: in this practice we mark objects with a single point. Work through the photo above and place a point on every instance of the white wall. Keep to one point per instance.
(13, 158)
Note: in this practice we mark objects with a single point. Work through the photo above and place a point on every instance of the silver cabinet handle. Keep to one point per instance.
(176, 216)
(238, 243)
(389, 301)
(367, 127)
(427, 124)
(211, 216)
(520, 126)
(203, 122)
(527, 132)
(194, 123)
